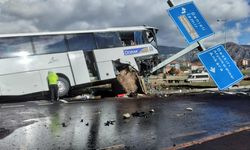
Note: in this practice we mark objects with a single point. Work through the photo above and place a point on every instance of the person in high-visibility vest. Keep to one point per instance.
(53, 87)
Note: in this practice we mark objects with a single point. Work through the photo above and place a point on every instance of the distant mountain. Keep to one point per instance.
(166, 50)
(237, 52)
(247, 46)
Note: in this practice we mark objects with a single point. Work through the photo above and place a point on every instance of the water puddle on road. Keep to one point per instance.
(4, 132)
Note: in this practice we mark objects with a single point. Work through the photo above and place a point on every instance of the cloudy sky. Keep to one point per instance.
(20, 16)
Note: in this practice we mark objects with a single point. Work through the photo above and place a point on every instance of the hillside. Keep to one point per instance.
(166, 50)
(237, 52)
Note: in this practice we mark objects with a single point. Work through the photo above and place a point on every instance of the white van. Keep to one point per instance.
(198, 77)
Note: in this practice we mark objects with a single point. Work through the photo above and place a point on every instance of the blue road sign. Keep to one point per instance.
(190, 22)
(220, 66)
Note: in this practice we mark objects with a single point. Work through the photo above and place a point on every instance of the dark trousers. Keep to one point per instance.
(53, 89)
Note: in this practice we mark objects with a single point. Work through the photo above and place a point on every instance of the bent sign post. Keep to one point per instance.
(220, 66)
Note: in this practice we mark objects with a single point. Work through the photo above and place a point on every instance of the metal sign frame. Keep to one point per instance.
(192, 27)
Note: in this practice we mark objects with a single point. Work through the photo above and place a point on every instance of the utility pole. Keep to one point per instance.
(224, 29)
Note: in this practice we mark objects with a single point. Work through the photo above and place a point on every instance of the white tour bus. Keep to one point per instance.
(78, 57)
(198, 77)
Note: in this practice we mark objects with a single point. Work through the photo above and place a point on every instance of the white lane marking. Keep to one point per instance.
(120, 146)
(45, 104)
(30, 120)
(74, 102)
(190, 134)
(12, 106)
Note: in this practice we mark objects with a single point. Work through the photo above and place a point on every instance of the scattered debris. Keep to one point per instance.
(142, 95)
(86, 96)
(63, 101)
(126, 116)
(81, 120)
(132, 94)
(152, 111)
(128, 80)
(229, 93)
(243, 93)
(87, 124)
(139, 114)
(189, 109)
(122, 95)
(110, 122)
(64, 125)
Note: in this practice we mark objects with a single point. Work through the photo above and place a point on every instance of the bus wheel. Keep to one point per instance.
(63, 86)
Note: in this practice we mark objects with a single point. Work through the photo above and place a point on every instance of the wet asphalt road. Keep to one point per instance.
(237, 141)
(83, 125)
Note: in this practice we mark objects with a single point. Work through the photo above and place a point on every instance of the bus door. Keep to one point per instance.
(91, 64)
(82, 46)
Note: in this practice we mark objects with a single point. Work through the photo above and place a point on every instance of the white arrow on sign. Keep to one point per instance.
(212, 69)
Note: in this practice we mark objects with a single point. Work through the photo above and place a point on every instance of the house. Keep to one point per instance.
(197, 66)
(245, 62)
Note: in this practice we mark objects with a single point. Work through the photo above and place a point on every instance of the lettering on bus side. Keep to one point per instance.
(135, 51)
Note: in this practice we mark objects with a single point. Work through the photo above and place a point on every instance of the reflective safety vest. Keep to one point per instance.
(52, 78)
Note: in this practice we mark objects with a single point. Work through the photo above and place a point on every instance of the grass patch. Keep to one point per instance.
(245, 82)
(246, 72)
(203, 84)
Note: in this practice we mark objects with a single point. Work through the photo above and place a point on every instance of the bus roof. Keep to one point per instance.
(116, 29)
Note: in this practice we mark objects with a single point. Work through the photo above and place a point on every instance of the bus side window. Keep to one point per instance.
(107, 40)
(132, 38)
(49, 44)
(138, 38)
(127, 38)
(81, 42)
(13, 47)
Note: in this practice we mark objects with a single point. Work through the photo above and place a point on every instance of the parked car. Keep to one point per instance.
(198, 77)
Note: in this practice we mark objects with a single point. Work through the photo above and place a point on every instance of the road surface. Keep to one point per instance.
(99, 124)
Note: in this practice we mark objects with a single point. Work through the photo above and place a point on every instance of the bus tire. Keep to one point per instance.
(63, 86)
